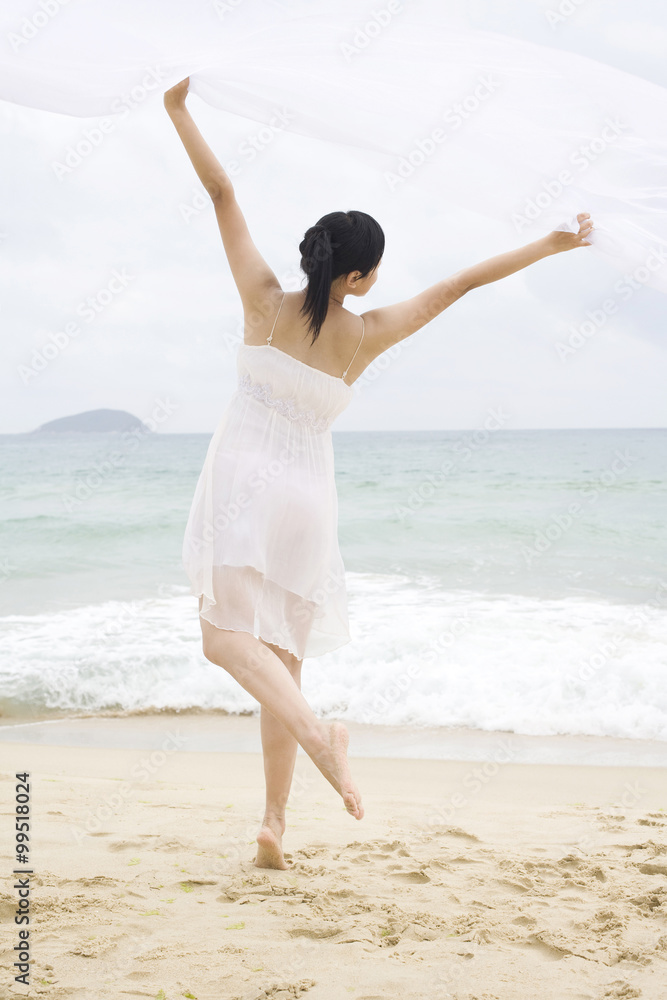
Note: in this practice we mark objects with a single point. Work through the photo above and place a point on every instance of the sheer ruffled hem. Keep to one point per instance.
(242, 599)
(340, 642)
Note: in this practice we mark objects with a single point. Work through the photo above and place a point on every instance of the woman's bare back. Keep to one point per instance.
(339, 338)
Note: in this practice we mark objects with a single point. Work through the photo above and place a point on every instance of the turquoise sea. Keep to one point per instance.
(498, 580)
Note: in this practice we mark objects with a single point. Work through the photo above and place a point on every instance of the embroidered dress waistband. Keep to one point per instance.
(286, 407)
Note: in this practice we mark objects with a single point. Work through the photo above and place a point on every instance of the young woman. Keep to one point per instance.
(261, 547)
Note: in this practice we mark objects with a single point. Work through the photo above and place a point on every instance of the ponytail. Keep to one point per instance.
(316, 262)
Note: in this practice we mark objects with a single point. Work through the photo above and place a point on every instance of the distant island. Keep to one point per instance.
(93, 421)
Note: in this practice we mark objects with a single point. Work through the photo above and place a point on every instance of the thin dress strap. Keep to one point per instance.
(270, 336)
(363, 326)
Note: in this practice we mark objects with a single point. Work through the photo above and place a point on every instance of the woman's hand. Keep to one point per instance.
(175, 97)
(559, 241)
(508, 263)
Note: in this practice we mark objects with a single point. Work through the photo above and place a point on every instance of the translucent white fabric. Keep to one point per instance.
(523, 133)
(261, 542)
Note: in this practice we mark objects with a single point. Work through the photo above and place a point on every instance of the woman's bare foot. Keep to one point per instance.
(333, 764)
(270, 845)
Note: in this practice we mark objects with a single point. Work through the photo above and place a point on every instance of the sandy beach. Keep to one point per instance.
(473, 880)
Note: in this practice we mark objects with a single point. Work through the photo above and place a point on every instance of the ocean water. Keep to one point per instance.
(498, 580)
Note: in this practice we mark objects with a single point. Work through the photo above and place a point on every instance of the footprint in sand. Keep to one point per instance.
(648, 845)
(312, 851)
(130, 845)
(408, 875)
(453, 831)
(98, 880)
(316, 929)
(647, 868)
(549, 950)
(285, 991)
(525, 885)
(366, 851)
(171, 845)
(620, 990)
(384, 849)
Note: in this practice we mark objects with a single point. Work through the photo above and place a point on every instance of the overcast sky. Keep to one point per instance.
(126, 224)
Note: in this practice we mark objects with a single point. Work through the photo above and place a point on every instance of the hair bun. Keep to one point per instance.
(315, 247)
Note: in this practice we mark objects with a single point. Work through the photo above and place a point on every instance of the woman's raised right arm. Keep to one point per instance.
(252, 275)
(209, 169)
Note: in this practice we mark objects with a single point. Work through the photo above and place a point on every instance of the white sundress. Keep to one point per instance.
(261, 541)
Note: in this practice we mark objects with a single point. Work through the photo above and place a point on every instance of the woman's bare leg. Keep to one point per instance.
(263, 675)
(279, 747)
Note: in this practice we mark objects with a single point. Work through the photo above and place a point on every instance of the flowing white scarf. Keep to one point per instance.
(520, 132)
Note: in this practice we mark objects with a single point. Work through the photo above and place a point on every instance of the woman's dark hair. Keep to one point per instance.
(337, 244)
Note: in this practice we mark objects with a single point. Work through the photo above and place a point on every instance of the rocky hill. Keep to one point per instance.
(93, 421)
